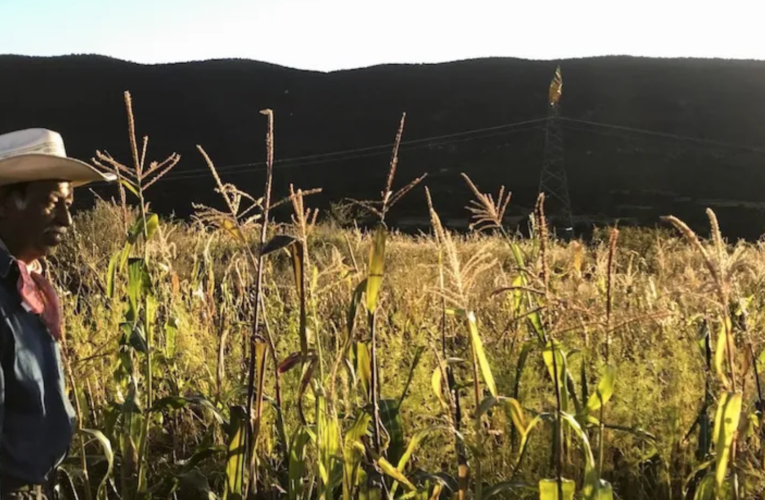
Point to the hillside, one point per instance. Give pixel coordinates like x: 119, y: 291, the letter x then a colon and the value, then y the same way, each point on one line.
x: 612, y: 172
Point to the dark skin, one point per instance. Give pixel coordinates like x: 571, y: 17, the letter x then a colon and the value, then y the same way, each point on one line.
x: 35, y: 218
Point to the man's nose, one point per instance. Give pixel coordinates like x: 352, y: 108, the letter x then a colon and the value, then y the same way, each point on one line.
x: 63, y: 216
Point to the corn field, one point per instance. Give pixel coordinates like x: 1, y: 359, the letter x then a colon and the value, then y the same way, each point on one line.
x: 233, y: 357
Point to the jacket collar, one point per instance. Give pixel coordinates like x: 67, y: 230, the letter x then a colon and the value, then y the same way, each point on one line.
x: 7, y: 261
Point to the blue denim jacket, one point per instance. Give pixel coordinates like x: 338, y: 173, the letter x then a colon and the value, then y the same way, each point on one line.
x: 36, y: 416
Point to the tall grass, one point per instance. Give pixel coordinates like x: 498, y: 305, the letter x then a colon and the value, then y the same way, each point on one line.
x: 231, y: 356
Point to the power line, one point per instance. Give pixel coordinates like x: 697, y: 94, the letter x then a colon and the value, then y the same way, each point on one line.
x: 322, y: 159
x: 384, y: 148
x: 666, y: 135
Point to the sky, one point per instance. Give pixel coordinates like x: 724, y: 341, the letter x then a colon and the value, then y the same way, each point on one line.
x: 341, y: 34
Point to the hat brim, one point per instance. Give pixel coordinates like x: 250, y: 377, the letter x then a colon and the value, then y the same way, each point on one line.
x: 42, y: 167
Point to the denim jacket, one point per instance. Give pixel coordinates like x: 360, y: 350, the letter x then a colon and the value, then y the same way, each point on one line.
x: 36, y: 417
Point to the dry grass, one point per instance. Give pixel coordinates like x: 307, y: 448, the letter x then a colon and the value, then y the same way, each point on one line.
x: 642, y: 300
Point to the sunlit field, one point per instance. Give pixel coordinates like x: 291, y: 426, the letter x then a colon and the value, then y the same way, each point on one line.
x: 379, y: 365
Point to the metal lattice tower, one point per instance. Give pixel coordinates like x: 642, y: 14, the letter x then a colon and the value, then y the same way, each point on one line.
x: 552, y: 181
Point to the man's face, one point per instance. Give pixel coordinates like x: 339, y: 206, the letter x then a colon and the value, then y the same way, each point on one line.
x: 37, y: 218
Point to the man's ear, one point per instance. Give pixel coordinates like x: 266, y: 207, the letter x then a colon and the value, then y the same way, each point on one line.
x: 10, y: 201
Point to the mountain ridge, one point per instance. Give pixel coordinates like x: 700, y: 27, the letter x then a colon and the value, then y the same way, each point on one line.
x: 215, y: 103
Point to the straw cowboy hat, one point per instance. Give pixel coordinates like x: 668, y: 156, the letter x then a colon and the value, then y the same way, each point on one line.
x: 38, y: 154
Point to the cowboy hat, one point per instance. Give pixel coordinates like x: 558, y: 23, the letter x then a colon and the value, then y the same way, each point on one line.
x: 38, y: 154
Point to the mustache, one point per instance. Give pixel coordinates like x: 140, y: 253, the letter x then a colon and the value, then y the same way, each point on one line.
x: 58, y: 230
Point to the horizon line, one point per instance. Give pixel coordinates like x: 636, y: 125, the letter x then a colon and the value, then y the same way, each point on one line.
x: 379, y: 65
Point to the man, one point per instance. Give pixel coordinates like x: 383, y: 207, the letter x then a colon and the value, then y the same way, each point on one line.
x: 36, y: 417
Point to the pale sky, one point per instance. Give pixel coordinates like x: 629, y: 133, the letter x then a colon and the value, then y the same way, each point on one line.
x: 340, y: 34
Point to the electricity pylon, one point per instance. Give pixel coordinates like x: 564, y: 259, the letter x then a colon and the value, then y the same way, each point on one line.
x: 552, y: 181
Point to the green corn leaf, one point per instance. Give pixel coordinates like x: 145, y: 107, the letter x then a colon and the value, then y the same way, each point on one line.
x: 705, y: 489
x: 525, y: 436
x: 726, y: 423
x: 436, y: 382
x: 352, y: 475
x: 352, y: 310
x: 695, y: 474
x: 376, y: 268
x: 721, y: 350
x: 414, y: 443
x: 180, y: 402
x: 561, y: 376
x: 394, y: 473
x: 297, y: 463
x: 605, y: 389
x: 106, y: 446
x: 390, y: 417
x: 138, y: 230
x: 139, y: 283
x: 548, y: 489
x: 535, y: 319
x: 589, y: 460
x: 504, y: 487
x: 364, y: 366
x: 510, y: 405
x: 330, y: 468
x: 171, y: 334
x: 111, y: 274
x: 518, y: 282
x: 130, y: 186
x: 513, y: 407
x: 477, y: 345
x: 416, y: 361
x: 236, y: 454
x: 518, y: 256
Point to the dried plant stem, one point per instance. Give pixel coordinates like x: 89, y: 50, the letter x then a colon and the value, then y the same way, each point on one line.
x: 252, y: 427
x: 609, y: 306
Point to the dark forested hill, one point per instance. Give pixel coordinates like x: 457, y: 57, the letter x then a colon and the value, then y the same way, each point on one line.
x: 627, y: 127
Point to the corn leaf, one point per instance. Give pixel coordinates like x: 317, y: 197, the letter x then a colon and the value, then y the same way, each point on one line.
x: 503, y: 487
x: 525, y: 436
x: 278, y: 242
x: 726, y: 423
x: 548, y: 489
x: 416, y: 361
x: 106, y: 446
x: 297, y: 463
x: 111, y: 274
x: 376, y: 268
x: 414, y: 443
x: 171, y: 334
x: 483, y: 362
x: 391, y: 471
x: 560, y: 377
x: 721, y: 351
x: 706, y: 489
x: 352, y: 455
x: 236, y: 455
x: 130, y: 186
x: 605, y: 389
x: 329, y: 444
x: 305, y: 381
x: 390, y: 417
x: 364, y: 366
x: 138, y: 229
x: 436, y: 382
x: 352, y: 310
